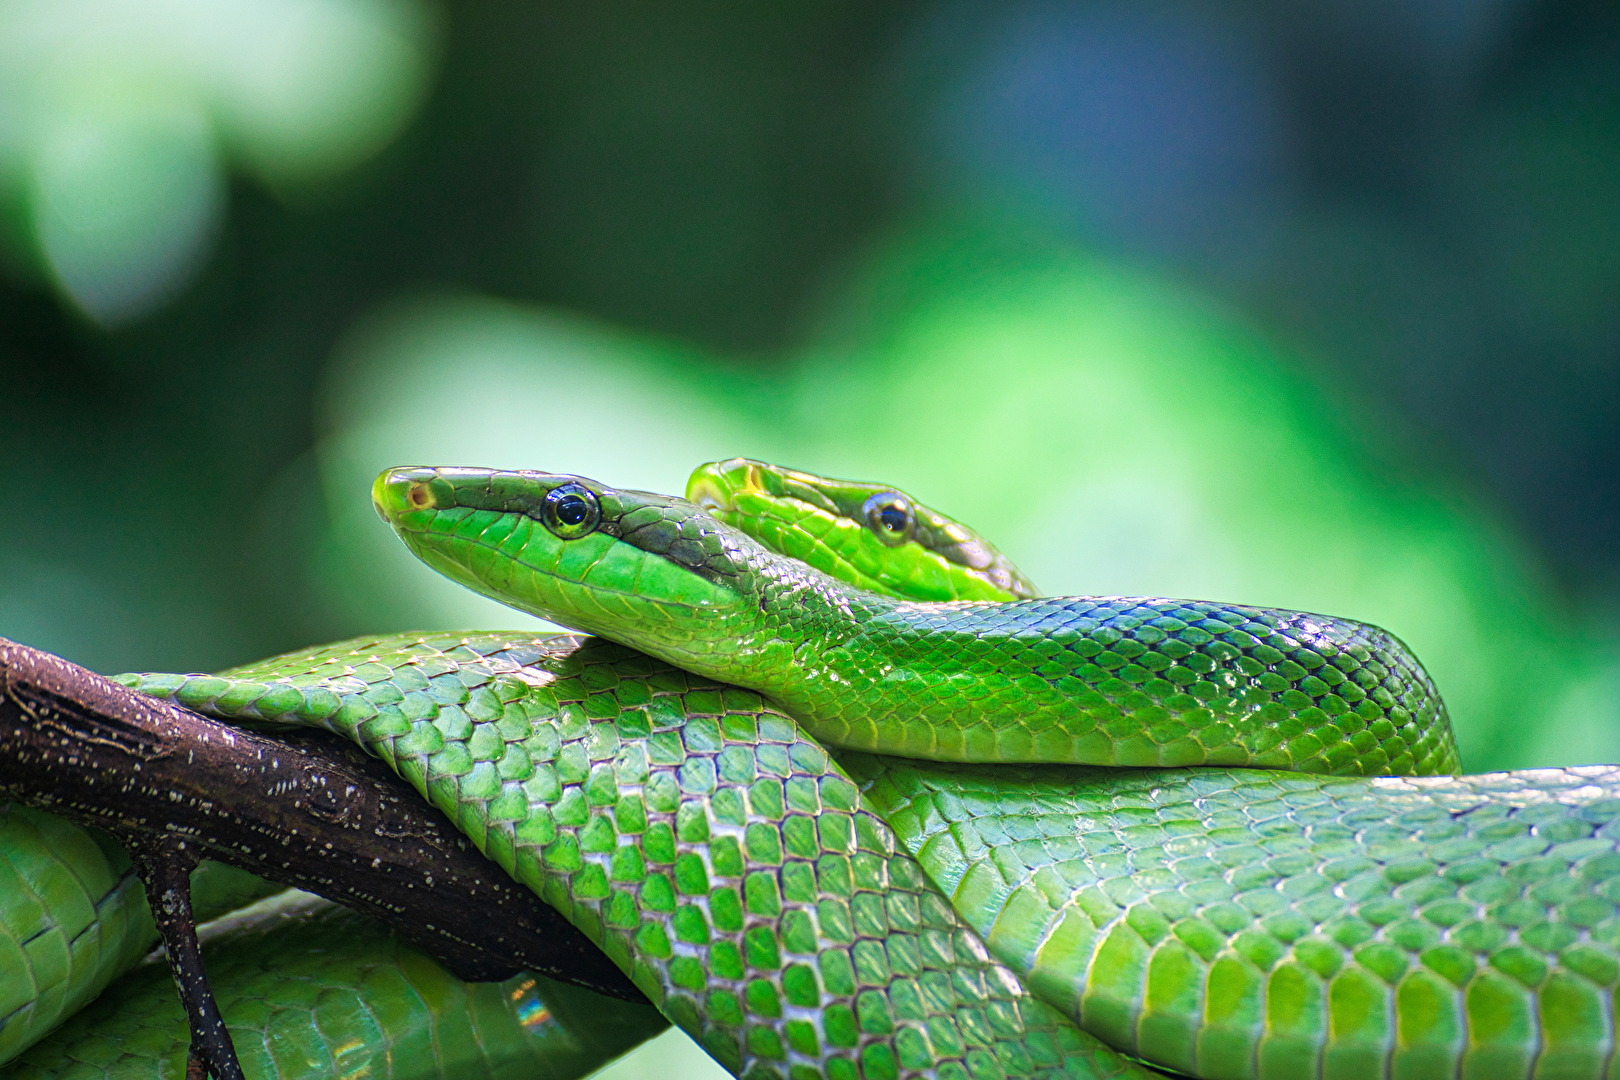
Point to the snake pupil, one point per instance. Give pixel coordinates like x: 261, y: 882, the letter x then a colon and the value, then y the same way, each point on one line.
x: 571, y: 510
x: 892, y: 518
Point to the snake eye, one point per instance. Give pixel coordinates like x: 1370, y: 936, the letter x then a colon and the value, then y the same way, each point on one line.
x: 570, y: 511
x: 889, y: 516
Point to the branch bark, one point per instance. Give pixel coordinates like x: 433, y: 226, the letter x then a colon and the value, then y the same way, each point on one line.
x: 309, y: 810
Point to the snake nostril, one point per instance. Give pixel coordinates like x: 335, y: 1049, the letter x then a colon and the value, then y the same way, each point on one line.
x: 419, y: 497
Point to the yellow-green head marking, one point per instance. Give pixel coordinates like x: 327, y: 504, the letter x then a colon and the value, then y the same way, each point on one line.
x: 870, y: 534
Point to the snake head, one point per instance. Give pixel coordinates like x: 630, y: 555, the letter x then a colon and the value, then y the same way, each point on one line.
x: 630, y: 565
x: 871, y: 535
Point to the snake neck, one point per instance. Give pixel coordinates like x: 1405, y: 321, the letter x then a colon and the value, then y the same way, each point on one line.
x: 787, y: 616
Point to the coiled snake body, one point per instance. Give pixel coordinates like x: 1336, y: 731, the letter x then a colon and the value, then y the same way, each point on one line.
x: 1239, y: 918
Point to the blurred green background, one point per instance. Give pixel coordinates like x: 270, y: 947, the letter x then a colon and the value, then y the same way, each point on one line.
x: 1314, y: 306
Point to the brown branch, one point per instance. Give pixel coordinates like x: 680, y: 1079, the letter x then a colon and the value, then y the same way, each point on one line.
x: 310, y: 811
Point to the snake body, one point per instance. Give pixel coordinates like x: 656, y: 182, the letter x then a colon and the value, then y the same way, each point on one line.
x: 1235, y: 923
x: 1081, y: 680
x: 1226, y: 922
x: 73, y: 916
x: 315, y: 991
x: 711, y: 849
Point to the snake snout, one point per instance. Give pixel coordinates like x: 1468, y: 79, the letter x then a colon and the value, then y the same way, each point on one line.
x: 709, y: 496
x: 400, y: 491
x: 715, y: 486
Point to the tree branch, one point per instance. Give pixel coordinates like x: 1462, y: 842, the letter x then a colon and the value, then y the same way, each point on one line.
x: 310, y: 810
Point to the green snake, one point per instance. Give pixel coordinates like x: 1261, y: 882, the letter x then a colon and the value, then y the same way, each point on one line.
x: 1221, y: 921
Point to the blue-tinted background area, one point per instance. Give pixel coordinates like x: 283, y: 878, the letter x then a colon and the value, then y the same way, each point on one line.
x: 1312, y: 305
